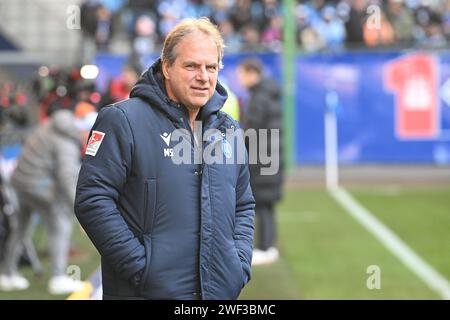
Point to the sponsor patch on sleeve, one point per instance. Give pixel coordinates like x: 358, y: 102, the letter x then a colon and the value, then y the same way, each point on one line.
x: 94, y: 142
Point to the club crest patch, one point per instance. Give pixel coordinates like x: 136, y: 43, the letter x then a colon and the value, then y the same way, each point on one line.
x: 94, y: 143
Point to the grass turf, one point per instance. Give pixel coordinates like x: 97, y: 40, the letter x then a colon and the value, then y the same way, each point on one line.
x: 324, y: 252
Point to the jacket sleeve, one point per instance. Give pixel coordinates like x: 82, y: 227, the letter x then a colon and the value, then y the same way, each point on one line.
x: 100, y: 184
x: 68, y: 166
x: 244, y: 219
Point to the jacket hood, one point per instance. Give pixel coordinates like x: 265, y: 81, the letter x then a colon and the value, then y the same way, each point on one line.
x: 64, y: 122
x: 150, y: 87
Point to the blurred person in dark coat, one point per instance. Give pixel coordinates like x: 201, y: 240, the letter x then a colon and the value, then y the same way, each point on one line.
x: 263, y: 112
x: 44, y: 181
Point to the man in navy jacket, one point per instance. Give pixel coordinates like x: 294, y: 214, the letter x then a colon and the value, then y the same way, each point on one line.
x: 166, y: 230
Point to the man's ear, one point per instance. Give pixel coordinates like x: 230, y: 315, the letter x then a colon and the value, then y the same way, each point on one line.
x: 165, y: 69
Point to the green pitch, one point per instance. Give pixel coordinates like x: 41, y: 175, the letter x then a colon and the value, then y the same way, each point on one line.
x: 325, y: 252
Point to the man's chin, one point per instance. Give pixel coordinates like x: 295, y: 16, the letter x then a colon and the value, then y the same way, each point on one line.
x: 197, y: 103
x: 194, y: 107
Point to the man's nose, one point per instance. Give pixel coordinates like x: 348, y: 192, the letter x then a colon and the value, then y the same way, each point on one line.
x: 202, y: 74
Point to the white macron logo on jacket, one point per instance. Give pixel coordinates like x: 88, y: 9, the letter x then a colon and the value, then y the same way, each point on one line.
x: 168, y: 152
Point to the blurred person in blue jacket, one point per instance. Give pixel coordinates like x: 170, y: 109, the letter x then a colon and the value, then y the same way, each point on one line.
x: 330, y: 28
x: 44, y: 181
x: 166, y: 230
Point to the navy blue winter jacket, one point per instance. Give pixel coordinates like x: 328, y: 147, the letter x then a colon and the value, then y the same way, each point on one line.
x: 164, y: 231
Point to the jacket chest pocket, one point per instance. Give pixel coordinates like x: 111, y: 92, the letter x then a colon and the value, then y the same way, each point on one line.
x: 149, y: 205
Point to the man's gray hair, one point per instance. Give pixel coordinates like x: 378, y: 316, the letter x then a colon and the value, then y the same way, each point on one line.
x: 186, y: 27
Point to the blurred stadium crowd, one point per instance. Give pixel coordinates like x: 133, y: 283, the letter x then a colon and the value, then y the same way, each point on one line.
x: 249, y: 25
x: 53, y: 88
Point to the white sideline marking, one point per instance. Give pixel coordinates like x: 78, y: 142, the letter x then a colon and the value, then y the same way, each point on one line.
x: 391, y: 241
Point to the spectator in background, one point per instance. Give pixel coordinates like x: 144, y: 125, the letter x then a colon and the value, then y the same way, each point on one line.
x: 145, y: 36
x: 378, y: 36
x: 311, y: 40
x: 57, y: 89
x: 263, y: 112
x: 115, y: 7
x: 198, y: 9
x: 133, y: 9
x: 272, y: 35
x: 271, y: 9
x: 88, y: 21
x: 50, y: 89
x: 330, y: 29
x: 97, y: 29
x: 45, y: 181
x: 14, y: 105
x: 171, y: 12
x: 250, y: 38
x: 120, y: 88
x: 446, y: 19
x: 246, y: 12
x: 231, y: 38
x: 4, y: 223
x: 430, y: 33
x: 104, y: 29
x: 307, y: 37
x: 302, y: 21
x: 319, y: 27
x: 140, y: 20
x: 402, y: 21
x: 220, y: 10
x: 435, y: 35
x: 354, y: 23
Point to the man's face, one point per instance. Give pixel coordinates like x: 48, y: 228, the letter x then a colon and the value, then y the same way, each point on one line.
x: 245, y: 78
x: 191, y: 79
